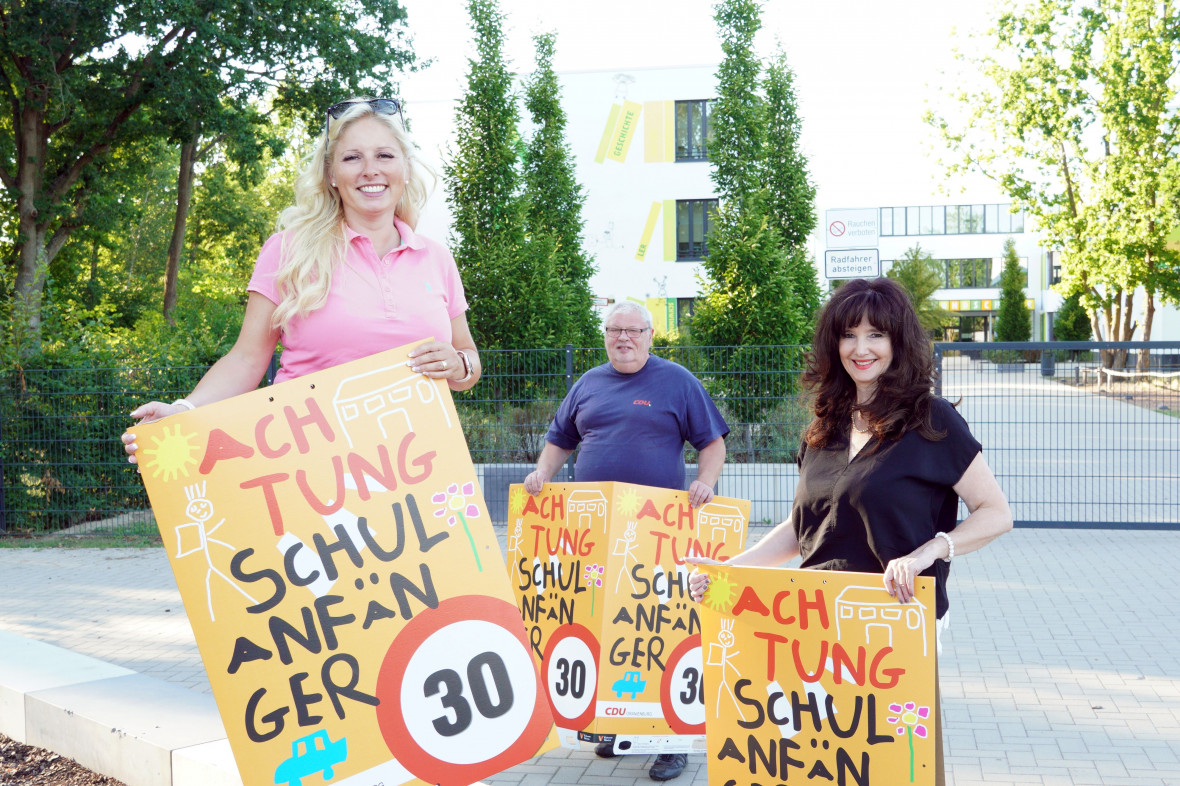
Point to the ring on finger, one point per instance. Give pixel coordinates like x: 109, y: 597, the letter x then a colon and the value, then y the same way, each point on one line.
x: 444, y: 365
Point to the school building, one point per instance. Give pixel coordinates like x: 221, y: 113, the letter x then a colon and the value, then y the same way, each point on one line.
x: 640, y: 138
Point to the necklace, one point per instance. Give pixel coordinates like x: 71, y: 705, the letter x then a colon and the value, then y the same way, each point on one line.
x: 856, y: 428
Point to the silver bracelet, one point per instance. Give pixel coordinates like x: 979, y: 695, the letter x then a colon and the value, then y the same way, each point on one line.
x: 950, y: 545
x: 466, y: 365
x: 184, y: 402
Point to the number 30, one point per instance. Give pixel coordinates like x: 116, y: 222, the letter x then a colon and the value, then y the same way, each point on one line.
x: 451, y: 684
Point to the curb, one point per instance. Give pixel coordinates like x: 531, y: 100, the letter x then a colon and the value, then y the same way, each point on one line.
x: 140, y: 730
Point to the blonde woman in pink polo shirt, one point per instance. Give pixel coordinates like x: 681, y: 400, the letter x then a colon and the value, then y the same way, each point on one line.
x: 346, y: 275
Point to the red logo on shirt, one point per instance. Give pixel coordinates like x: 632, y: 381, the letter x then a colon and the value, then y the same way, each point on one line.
x: 641, y: 403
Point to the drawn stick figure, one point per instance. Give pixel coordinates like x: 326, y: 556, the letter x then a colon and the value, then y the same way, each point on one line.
x: 720, y: 655
x: 623, y: 548
x: 515, y: 548
x: 200, y: 511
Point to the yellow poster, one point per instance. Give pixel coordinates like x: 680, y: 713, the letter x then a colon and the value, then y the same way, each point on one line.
x: 817, y: 676
x: 648, y: 228
x: 625, y: 130
x: 602, y: 586
x: 337, y: 563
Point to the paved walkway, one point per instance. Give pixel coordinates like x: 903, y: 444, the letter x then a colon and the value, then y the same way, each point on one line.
x: 1062, y: 665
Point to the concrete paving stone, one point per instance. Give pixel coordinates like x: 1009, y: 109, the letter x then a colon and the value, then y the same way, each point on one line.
x: 536, y: 779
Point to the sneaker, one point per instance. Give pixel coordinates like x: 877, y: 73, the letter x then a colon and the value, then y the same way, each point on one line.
x: 605, y: 750
x: 668, y: 766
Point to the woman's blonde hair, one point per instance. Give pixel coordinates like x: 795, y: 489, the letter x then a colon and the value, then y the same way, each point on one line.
x: 313, y: 227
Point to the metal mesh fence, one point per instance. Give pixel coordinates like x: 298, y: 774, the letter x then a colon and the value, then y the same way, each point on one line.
x: 1071, y: 442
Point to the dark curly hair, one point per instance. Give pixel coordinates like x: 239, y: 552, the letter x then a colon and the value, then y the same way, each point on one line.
x: 903, y: 398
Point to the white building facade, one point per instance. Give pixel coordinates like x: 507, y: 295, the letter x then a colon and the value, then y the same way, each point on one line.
x: 640, y: 143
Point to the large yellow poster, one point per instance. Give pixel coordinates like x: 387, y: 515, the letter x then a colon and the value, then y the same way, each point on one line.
x: 817, y: 676
x: 347, y: 592
x: 602, y: 585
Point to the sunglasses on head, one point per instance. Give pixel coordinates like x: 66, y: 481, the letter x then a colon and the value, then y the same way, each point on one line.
x: 382, y: 106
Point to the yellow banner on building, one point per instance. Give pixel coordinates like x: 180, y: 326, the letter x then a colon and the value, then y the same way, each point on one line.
x: 649, y: 227
x: 654, y: 150
x: 602, y: 585
x: 626, y: 128
x: 346, y: 588
x: 817, y: 676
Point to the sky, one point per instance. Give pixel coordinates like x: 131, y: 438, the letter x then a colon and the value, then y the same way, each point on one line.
x: 866, y: 71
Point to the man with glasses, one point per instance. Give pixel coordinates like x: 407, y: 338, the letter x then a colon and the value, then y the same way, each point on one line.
x: 631, y: 416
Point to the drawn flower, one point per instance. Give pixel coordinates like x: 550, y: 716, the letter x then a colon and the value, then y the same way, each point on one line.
x: 909, y: 717
x: 456, y: 507
x: 593, y: 576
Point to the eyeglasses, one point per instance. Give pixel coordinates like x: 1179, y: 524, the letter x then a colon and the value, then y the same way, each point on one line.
x: 382, y: 106
x: 614, y: 332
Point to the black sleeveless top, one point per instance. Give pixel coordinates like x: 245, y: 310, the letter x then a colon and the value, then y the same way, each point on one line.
x: 891, y: 498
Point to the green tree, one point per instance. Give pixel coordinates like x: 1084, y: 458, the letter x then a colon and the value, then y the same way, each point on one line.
x: 790, y: 192
x: 1071, y: 322
x: 517, y: 294
x: 920, y: 276
x: 738, y: 115
x: 1014, y: 320
x: 483, y: 189
x: 555, y: 199
x: 757, y: 287
x: 85, y: 79
x: 1078, y: 123
x: 104, y: 289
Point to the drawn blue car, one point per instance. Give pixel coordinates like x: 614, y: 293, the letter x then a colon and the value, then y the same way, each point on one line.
x: 629, y: 684
x: 309, y: 755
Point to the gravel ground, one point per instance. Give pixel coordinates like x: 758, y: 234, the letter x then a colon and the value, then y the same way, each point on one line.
x: 29, y: 766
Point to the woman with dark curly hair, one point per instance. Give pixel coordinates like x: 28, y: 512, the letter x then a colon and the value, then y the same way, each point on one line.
x: 885, y: 462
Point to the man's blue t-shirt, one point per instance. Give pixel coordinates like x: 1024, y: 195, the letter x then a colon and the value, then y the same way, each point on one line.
x: 632, y: 427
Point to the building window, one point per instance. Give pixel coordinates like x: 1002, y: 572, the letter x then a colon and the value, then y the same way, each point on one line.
x: 685, y: 307
x: 992, y: 219
x: 693, y: 130
x: 692, y: 227
x: 965, y: 273
x: 1054, y: 268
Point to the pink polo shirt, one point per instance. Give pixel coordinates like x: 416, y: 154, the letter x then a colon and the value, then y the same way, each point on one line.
x: 374, y: 304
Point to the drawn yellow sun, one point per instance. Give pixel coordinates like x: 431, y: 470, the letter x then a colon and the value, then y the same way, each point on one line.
x: 516, y: 500
x: 720, y: 595
x: 170, y: 455
x: 627, y: 502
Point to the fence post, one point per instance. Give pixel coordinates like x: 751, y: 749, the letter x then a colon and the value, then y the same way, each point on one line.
x: 3, y: 513
x: 937, y: 371
x: 569, y: 383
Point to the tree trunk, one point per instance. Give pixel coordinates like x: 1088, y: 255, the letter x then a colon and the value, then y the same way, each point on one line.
x: 32, y: 257
x: 1144, y: 363
x: 1127, y: 329
x: 1106, y: 356
x: 184, y: 195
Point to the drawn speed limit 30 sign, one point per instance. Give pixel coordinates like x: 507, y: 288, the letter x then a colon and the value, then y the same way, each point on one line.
x: 682, y: 692
x: 601, y: 581
x: 339, y: 567
x: 459, y: 692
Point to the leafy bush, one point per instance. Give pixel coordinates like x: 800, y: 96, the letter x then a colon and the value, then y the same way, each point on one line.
x: 61, y: 461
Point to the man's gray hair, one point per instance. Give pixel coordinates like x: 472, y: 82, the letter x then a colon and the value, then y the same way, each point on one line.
x: 627, y: 306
